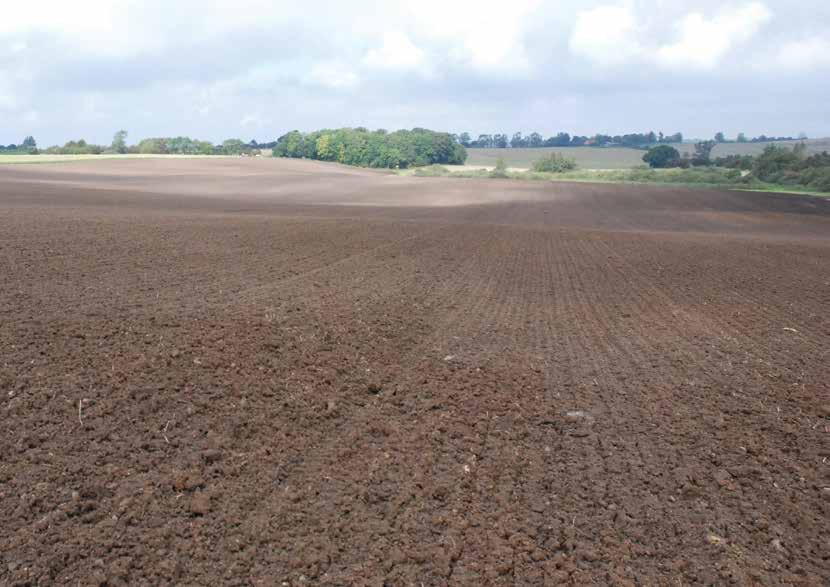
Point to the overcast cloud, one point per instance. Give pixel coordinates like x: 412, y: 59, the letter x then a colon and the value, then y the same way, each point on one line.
x: 257, y: 68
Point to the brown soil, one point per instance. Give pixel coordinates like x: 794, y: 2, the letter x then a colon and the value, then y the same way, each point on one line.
x: 228, y: 372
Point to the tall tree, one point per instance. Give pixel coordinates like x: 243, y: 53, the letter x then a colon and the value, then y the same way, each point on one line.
x: 484, y: 141
x: 703, y: 153
x: 29, y: 145
x: 119, y: 142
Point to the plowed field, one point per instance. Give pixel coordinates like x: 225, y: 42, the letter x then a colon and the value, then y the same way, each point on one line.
x: 280, y: 372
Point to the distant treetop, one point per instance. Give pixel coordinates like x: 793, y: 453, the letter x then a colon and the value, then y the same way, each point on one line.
x: 535, y: 140
x: 364, y: 148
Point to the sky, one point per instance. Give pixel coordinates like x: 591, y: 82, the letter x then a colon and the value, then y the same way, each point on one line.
x: 258, y: 68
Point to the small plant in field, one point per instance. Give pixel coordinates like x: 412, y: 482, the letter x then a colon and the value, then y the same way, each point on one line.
x: 554, y: 163
x: 432, y: 171
x: 500, y: 170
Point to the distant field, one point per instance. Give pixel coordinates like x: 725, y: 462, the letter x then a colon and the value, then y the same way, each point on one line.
x: 614, y: 157
x: 586, y: 157
x: 722, y: 150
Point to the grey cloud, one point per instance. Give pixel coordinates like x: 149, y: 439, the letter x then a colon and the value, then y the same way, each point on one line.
x: 208, y: 84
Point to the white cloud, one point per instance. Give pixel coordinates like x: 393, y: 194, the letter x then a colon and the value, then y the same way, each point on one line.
x: 397, y: 52
x: 91, y: 108
x: 119, y: 27
x: 703, y: 43
x: 7, y: 101
x: 614, y: 34
x: 254, y: 120
x: 332, y: 74
x: 606, y: 35
x: 79, y: 16
x: 133, y: 27
x: 804, y: 55
x: 10, y: 90
x: 484, y: 34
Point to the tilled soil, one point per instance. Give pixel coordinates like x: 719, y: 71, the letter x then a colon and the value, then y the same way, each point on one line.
x: 279, y: 372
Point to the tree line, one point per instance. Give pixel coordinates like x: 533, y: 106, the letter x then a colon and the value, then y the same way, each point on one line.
x: 633, y: 140
x: 399, y: 149
x: 741, y: 138
x: 379, y: 148
x: 666, y: 156
x: 150, y: 146
x: 535, y: 140
x: 27, y: 147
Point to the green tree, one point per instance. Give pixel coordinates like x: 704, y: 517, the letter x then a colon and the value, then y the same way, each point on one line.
x: 361, y: 147
x: 204, y: 148
x: 153, y: 146
x: 720, y: 138
x: 773, y: 164
x: 29, y: 145
x: 119, y: 142
x: 290, y: 145
x: 233, y: 147
x: 562, y: 139
x: 324, y: 150
x: 662, y: 156
x: 703, y: 153
x: 742, y: 138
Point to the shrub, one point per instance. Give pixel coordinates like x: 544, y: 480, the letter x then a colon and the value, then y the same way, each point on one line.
x: 662, y: 156
x: 79, y: 147
x: 500, y: 171
x: 432, y: 171
x: 743, y: 162
x: 771, y: 165
x: 554, y: 163
x: 820, y: 179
